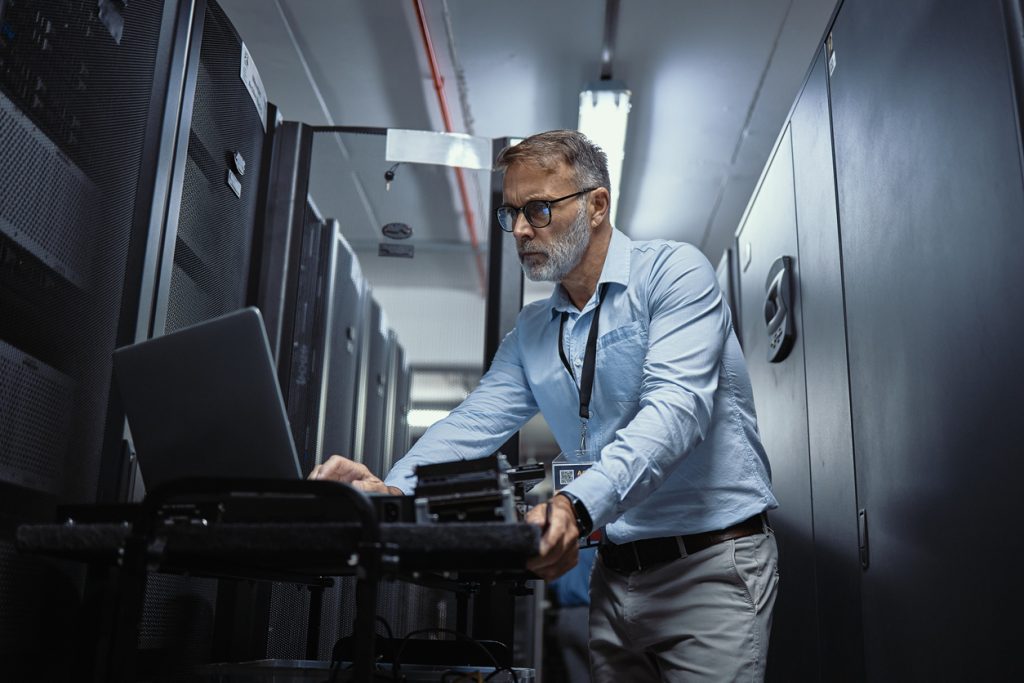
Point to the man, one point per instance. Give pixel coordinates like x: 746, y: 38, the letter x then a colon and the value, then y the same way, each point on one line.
x: 685, y: 581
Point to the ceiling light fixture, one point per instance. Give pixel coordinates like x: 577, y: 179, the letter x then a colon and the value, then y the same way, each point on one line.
x: 604, y: 114
x: 421, y: 418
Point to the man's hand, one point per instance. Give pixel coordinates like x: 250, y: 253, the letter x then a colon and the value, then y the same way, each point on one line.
x: 337, y: 468
x: 559, y: 546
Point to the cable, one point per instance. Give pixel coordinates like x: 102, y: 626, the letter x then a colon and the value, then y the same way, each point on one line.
x: 509, y: 669
x: 396, y: 663
x: 336, y: 655
x: 387, y: 627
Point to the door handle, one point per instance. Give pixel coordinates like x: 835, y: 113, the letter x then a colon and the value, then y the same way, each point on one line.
x: 778, y: 309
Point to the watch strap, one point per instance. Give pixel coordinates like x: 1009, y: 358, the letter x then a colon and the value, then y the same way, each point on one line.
x: 584, y: 523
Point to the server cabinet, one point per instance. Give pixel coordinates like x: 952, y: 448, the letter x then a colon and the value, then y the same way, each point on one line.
x: 280, y: 233
x: 343, y: 346
x: 212, y: 216
x: 377, y: 358
x: 931, y: 210
x: 394, y: 350
x: 205, y: 271
x: 769, y: 278
x: 403, y: 385
x: 829, y: 431
x: 88, y: 106
x: 303, y: 386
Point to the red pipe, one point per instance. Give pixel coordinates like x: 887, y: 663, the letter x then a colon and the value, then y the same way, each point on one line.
x: 460, y: 179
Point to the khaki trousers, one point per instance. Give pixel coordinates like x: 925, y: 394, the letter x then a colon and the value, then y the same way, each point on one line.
x: 704, y: 617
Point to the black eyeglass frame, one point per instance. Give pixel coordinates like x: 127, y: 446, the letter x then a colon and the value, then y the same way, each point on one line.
x: 522, y: 210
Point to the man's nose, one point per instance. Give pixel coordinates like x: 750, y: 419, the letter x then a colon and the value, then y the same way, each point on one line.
x: 521, y: 228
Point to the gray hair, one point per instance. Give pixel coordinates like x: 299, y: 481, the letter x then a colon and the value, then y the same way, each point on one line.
x: 588, y: 161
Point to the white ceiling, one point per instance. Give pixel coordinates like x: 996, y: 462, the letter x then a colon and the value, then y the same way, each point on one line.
x: 712, y: 83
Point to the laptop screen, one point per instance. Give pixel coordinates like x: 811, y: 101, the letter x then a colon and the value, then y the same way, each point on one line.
x: 205, y: 402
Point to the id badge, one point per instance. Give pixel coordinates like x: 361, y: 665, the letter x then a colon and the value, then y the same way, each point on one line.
x: 566, y: 473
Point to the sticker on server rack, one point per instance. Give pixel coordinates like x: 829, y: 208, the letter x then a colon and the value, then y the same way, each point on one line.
x: 235, y: 184
x: 254, y: 84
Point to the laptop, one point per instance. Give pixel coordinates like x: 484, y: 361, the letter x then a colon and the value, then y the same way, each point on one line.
x: 205, y: 402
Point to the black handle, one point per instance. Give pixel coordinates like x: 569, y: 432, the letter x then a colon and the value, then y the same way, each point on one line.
x: 778, y: 309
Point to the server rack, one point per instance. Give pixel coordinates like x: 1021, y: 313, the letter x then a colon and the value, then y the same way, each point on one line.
x: 213, y: 211
x: 208, y: 234
x: 304, y: 386
x: 344, y: 343
x: 89, y: 102
x: 377, y: 355
x: 402, y: 384
x: 390, y: 402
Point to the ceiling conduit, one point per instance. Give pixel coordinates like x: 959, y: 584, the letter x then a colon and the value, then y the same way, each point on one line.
x: 460, y: 179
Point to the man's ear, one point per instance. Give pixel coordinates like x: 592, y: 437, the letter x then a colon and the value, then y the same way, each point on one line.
x: 601, y: 204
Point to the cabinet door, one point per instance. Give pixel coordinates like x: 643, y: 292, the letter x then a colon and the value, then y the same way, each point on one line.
x: 932, y: 217
x: 836, y: 561
x: 769, y: 232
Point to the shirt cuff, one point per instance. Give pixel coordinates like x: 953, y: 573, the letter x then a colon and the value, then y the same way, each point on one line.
x: 405, y: 482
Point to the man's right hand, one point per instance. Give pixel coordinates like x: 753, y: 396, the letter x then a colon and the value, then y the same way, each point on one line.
x: 337, y: 468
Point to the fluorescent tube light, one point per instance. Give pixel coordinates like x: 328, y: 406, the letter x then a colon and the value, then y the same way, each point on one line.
x: 604, y: 112
x: 424, y: 417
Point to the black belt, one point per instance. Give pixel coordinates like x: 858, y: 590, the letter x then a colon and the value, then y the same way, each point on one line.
x: 638, y: 555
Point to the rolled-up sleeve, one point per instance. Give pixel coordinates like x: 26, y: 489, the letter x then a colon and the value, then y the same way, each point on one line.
x: 495, y: 410
x: 689, y: 324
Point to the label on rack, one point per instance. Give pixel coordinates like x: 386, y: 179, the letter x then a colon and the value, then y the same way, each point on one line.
x: 254, y: 84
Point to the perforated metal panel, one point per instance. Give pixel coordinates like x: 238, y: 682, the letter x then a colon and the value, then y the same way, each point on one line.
x: 215, y: 226
x: 74, y: 108
x: 73, y: 113
x: 48, y: 204
x: 289, y: 619
x: 406, y: 607
x: 338, y: 613
x: 211, y: 265
x: 177, y: 619
x: 35, y: 426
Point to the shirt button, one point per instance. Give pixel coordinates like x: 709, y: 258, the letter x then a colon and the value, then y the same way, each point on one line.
x: 579, y: 362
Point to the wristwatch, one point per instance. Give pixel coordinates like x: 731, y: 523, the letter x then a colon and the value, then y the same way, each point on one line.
x: 583, y: 521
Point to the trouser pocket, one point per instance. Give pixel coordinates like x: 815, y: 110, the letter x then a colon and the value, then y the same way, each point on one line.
x: 756, y: 561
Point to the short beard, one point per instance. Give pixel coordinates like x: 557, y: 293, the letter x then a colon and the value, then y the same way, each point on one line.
x: 563, y: 254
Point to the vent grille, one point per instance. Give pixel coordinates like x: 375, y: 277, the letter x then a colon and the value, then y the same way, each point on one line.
x: 36, y: 421
x: 177, y: 619
x: 289, y: 620
x: 47, y: 204
x: 212, y: 253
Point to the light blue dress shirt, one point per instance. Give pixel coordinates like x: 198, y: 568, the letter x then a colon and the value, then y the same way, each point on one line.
x: 672, y: 413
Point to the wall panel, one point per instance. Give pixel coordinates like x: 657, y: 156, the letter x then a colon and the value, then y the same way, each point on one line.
x: 931, y: 209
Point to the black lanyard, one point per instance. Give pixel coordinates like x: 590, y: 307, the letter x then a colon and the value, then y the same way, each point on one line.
x: 589, y: 356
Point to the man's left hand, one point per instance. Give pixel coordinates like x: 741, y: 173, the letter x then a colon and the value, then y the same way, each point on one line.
x: 559, y: 546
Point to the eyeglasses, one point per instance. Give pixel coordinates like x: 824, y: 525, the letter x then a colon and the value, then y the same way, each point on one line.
x: 536, y: 211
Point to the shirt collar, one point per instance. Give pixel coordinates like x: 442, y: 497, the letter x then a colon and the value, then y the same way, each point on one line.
x: 614, y: 270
